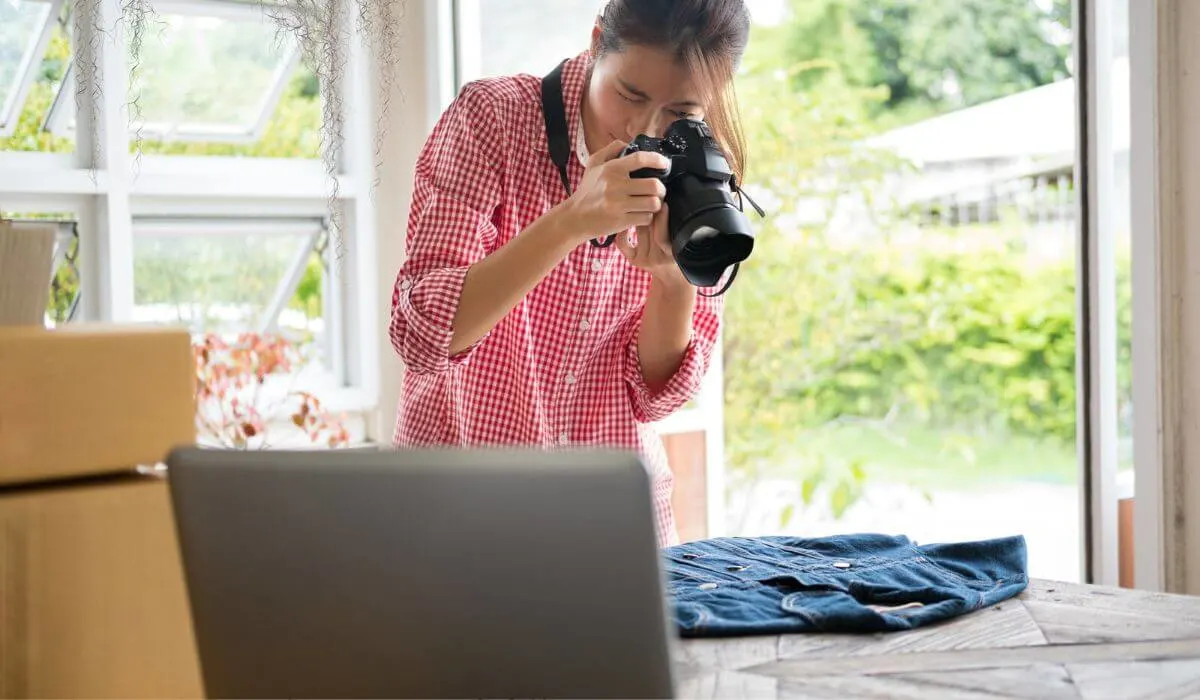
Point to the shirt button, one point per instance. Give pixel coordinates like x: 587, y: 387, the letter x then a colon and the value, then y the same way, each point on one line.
x: 405, y: 285
x: 584, y: 325
x: 562, y: 438
x: 597, y: 265
x: 570, y: 378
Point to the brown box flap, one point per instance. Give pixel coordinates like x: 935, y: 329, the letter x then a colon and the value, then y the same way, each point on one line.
x: 92, y: 398
x: 92, y: 594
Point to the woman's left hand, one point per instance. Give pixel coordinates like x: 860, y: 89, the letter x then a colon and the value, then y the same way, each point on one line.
x: 652, y: 251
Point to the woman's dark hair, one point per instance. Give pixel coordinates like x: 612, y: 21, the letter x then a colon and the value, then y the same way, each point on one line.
x: 707, y: 36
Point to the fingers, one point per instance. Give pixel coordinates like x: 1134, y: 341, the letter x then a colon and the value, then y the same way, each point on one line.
x: 642, y: 159
x: 643, y: 204
x: 661, y: 235
x: 612, y: 150
x: 638, y: 186
x: 635, y: 219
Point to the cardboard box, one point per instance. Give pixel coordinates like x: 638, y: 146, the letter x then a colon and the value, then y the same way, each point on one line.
x: 26, y: 265
x: 91, y: 399
x: 92, y: 596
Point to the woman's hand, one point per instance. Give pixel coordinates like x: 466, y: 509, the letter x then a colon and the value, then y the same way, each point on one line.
x: 608, y: 200
x: 652, y: 251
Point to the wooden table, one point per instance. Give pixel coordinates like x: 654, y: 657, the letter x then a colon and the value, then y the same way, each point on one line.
x: 1056, y: 640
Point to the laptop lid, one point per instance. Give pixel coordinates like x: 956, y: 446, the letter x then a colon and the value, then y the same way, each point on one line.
x: 422, y: 573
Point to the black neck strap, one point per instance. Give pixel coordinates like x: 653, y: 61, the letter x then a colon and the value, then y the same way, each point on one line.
x: 558, y: 137
x: 555, y: 113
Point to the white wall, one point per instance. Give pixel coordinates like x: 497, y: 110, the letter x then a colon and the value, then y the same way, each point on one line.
x: 413, y: 100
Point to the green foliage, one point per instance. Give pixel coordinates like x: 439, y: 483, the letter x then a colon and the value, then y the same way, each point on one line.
x: 978, y: 339
x: 308, y: 292
x: 29, y: 134
x: 951, y: 334
x: 931, y: 56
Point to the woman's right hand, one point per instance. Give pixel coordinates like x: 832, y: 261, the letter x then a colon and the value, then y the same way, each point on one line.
x: 608, y: 200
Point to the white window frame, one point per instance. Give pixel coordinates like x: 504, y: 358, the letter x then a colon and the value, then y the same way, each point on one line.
x: 105, y: 195
x: 1097, y: 426
x: 10, y: 111
x: 62, y: 110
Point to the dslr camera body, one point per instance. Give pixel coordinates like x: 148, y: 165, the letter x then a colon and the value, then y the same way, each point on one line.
x: 708, y: 231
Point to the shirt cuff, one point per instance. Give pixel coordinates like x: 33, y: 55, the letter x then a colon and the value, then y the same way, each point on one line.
x: 650, y: 405
x: 423, y: 323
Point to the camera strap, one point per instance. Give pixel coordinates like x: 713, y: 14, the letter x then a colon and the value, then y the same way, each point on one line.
x: 558, y: 137
x: 555, y: 114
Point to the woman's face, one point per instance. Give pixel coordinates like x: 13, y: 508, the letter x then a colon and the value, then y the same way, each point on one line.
x: 637, y: 91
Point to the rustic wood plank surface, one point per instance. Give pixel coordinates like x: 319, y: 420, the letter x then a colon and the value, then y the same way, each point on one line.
x: 1056, y: 640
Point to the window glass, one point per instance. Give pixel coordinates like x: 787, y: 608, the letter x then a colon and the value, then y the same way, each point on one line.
x: 35, y: 50
x: 900, y: 350
x: 184, y: 102
x: 232, y: 276
x: 502, y: 37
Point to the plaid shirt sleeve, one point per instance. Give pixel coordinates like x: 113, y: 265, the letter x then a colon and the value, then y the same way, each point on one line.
x: 650, y: 406
x: 456, y: 190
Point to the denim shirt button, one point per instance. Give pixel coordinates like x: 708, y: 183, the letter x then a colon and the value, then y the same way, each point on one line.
x: 737, y: 568
x: 842, y: 564
x: 707, y: 586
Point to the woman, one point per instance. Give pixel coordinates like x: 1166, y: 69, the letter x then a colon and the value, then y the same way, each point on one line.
x: 515, y: 330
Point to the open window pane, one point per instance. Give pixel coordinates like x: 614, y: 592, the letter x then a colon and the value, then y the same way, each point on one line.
x: 229, y: 277
x: 183, y: 101
x: 21, y: 27
x: 210, y: 77
x: 35, y: 49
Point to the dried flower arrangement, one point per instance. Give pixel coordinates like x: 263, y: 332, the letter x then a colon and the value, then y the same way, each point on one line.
x: 232, y: 408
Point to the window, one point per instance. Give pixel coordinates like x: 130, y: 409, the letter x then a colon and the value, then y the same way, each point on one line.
x: 186, y: 103
x: 229, y: 276
x: 34, y: 52
x: 183, y: 234
x: 496, y: 36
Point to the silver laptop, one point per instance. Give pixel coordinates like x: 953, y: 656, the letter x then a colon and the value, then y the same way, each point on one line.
x: 422, y: 573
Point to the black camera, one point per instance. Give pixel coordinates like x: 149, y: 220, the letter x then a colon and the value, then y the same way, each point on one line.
x: 708, y: 231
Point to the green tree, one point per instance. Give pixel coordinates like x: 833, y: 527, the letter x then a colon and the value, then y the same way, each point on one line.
x: 932, y: 56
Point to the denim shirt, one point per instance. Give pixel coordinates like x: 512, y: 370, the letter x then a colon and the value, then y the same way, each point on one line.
x: 846, y: 583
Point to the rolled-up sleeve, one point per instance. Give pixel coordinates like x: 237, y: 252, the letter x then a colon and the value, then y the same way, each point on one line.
x: 456, y: 191
x: 650, y: 405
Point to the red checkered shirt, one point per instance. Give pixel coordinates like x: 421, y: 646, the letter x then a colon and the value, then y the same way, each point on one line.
x: 560, y: 370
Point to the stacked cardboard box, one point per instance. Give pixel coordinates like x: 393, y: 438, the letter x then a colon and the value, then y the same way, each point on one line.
x: 92, y: 597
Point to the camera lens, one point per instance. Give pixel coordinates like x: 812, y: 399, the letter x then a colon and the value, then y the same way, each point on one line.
x: 712, y: 240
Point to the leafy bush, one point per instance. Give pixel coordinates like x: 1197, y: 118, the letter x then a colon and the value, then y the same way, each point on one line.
x: 956, y: 331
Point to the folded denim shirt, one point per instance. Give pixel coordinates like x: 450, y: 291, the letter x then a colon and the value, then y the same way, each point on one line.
x: 848, y: 583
